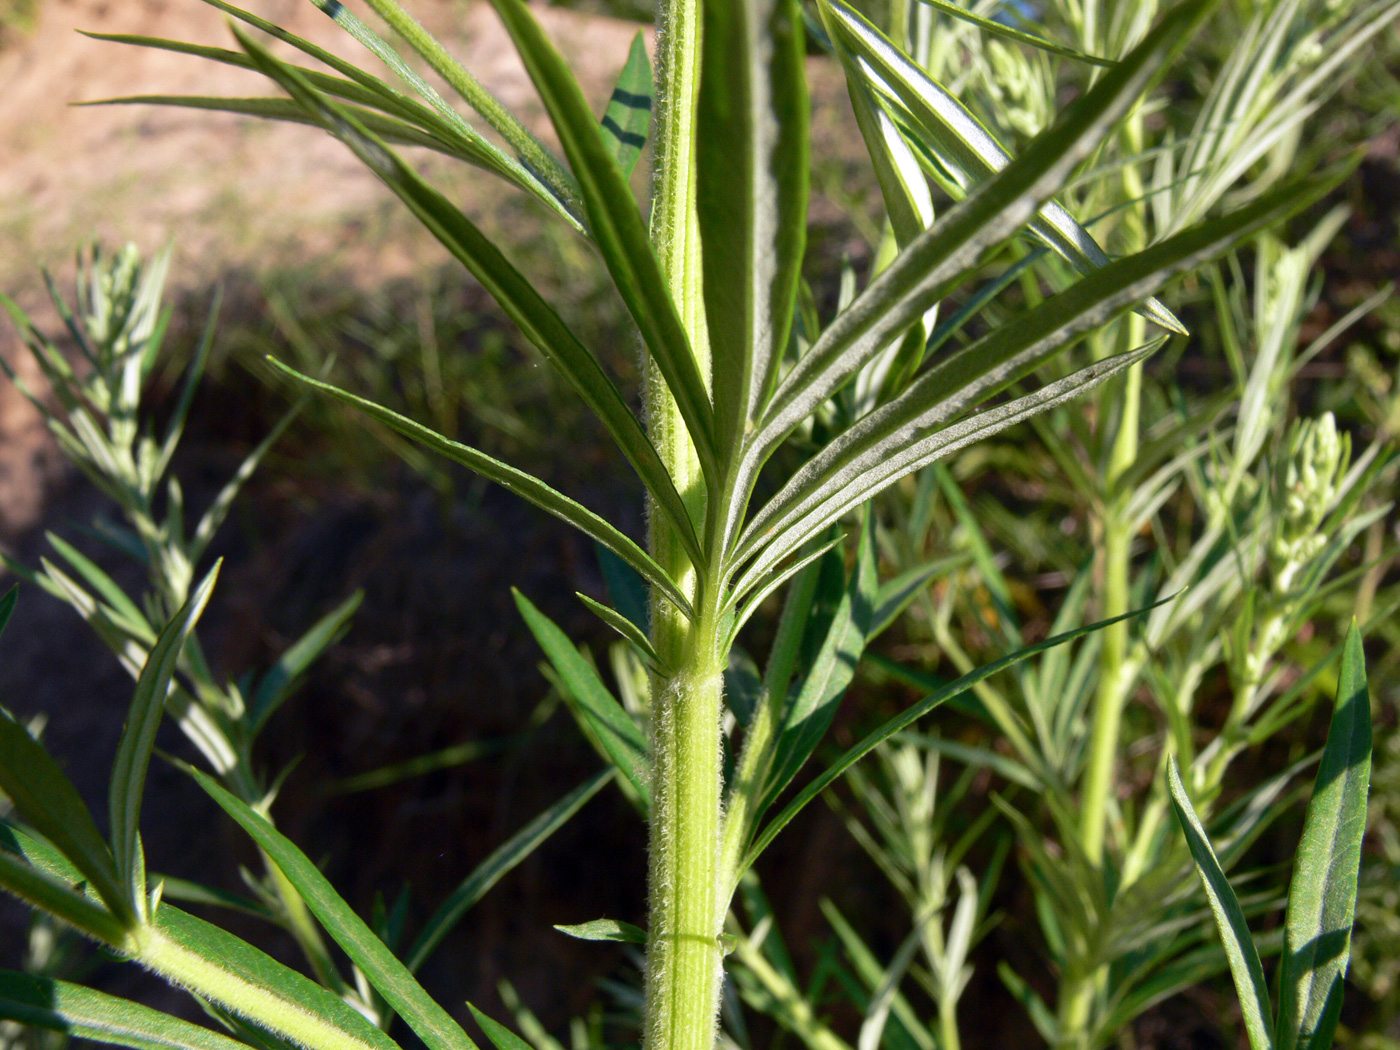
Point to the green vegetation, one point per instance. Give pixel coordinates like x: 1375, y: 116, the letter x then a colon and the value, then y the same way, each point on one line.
x: 981, y: 474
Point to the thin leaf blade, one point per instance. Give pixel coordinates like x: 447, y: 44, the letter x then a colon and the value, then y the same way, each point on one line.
x: 60, y: 1006
x: 517, y: 296
x: 524, y: 485
x: 1245, y: 967
x: 617, y: 225
x: 605, y: 930
x: 390, y: 977
x: 45, y: 797
x: 752, y: 176
x: 627, y: 120
x: 616, y: 731
x: 907, y: 718
x: 139, y: 736
x: 1322, y: 895
x: 502, y: 860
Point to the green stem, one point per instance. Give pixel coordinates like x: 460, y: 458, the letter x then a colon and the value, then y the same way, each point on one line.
x: 1115, y: 673
x: 684, y: 956
x: 683, y: 946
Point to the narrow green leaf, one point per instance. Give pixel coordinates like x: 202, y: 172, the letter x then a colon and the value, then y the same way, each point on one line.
x: 923, y: 273
x: 277, y: 684
x: 1005, y: 355
x: 1001, y: 29
x: 42, y: 1002
x: 442, y: 128
x: 625, y: 627
x: 1229, y: 918
x: 516, y: 295
x: 752, y: 181
x: 617, y: 226
x: 898, y: 594
x: 502, y: 859
x: 60, y: 899
x: 177, y: 889
x: 909, y: 1029
x: 1322, y: 895
x: 963, y: 143
x: 907, y: 718
x: 175, y: 427
x: 389, y: 128
x: 139, y: 736
x: 1041, y: 1015
x: 810, y: 715
x: 423, y: 764
x: 47, y: 799
x: 754, y: 590
x: 616, y: 731
x: 104, y: 585
x: 523, y: 485
x: 627, y: 119
x: 531, y: 151
x: 381, y: 968
x: 501, y: 1037
x: 888, y: 444
x: 606, y: 930
x: 250, y: 984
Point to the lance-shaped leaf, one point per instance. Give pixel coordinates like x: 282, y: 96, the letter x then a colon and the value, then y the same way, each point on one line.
x: 59, y: 1006
x: 57, y: 897
x: 881, y: 452
x: 439, y: 121
x: 501, y: 1037
x: 810, y: 714
x: 524, y: 485
x: 1010, y: 32
x: 250, y: 984
x: 139, y: 737
x: 963, y: 143
x: 617, y: 226
x: 493, y: 868
x: 752, y: 176
x: 625, y: 627
x: 627, y: 120
x: 925, y: 271
x: 282, y: 677
x: 381, y: 968
x: 616, y: 732
x: 47, y: 799
x: 993, y: 361
x: 517, y: 296
x: 606, y: 930
x: 7, y: 605
x: 909, y: 208
x: 390, y: 129
x: 1229, y: 918
x: 537, y: 159
x: 754, y: 590
x: 907, y: 718
x: 1322, y: 895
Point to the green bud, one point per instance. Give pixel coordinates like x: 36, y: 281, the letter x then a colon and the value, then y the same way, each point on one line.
x: 1307, y: 482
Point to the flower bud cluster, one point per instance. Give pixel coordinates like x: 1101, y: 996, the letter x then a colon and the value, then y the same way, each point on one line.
x: 1307, y: 483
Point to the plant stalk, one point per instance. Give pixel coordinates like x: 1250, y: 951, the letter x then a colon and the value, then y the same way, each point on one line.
x: 684, y: 964
x: 1115, y: 673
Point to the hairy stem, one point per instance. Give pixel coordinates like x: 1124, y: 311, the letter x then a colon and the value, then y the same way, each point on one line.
x: 683, y: 945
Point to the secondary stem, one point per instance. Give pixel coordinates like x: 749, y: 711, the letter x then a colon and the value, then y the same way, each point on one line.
x: 1115, y: 673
